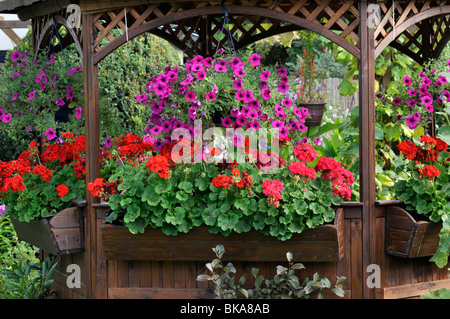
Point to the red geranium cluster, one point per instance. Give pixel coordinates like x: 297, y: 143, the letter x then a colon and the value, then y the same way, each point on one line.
x: 428, y: 152
x: 236, y: 179
x: 341, y: 178
x: 158, y: 164
x: 62, y: 190
x: 305, y: 152
x: 300, y: 169
x: 272, y: 189
x: 103, y: 189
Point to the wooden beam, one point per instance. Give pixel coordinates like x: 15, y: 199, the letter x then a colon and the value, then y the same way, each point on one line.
x: 43, y: 8
x: 14, y: 24
x: 367, y: 144
x: 91, y: 98
x: 10, y: 33
x: 415, y: 290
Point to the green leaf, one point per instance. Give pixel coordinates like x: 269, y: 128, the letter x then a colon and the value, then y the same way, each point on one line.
x: 186, y: 186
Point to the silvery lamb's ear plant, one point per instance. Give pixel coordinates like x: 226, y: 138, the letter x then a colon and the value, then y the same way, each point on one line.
x: 284, y: 285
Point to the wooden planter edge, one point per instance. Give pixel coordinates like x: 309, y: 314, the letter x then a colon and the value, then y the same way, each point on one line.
x: 322, y: 244
x: 407, y: 237
x: 62, y: 233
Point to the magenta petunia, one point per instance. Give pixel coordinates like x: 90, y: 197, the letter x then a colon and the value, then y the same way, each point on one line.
x: 411, y: 121
x: 240, y: 95
x: 16, y: 56
x: 254, y: 125
x: 190, y: 96
x: 227, y: 122
x: 411, y: 103
x: 264, y: 76
x: 50, y: 133
x: 407, y: 81
x: 426, y: 100
x: 396, y: 101
x: 60, y: 102
x: 255, y: 59
x: 287, y: 102
x: 248, y: 96
x: 239, y: 72
x: 210, y: 96
x: 6, y: 118
x: 412, y: 92
x: 31, y: 95
x: 238, y: 84
x: 429, y: 107
x: 265, y: 93
x: 426, y: 81
x: 283, y: 87
x: 78, y: 112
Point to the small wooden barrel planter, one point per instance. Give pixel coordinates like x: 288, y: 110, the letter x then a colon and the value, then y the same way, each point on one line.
x: 57, y: 234
x: 322, y: 244
x: 409, y: 237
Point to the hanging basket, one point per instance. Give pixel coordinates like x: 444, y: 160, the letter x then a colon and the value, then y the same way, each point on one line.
x: 316, y: 110
x: 409, y: 237
x: 58, y: 234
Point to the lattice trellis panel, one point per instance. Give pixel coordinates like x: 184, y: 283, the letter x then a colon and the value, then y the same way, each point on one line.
x: 419, y: 29
x: 195, y: 26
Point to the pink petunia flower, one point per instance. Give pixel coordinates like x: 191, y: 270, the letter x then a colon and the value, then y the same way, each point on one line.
x: 50, y: 133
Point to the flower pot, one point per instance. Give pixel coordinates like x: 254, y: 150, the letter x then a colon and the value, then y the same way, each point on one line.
x: 409, y: 237
x: 58, y: 234
x: 321, y: 244
x: 316, y: 110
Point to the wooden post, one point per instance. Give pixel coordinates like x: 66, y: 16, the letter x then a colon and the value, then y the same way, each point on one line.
x: 367, y: 142
x: 92, y: 147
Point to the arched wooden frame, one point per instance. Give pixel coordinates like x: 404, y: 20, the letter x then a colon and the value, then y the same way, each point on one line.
x: 46, y: 31
x: 299, y: 22
x: 399, y: 29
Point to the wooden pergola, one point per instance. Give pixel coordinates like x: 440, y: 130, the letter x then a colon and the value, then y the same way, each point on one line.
x: 363, y: 28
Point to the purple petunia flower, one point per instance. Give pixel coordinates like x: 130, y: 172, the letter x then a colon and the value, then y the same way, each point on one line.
x: 241, y: 120
x: 60, y: 102
x: 107, y: 142
x: 411, y: 103
x: 283, y: 87
x: 255, y: 59
x: 78, y: 112
x: 264, y: 76
x: 210, y: 96
x: 190, y: 96
x: 16, y: 56
x: 237, y: 84
x: 287, y: 102
x: 265, y: 93
x: 238, y: 140
x: 50, y: 133
x: 2, y: 209
x: 396, y: 101
x: 6, y: 118
x: 31, y: 95
x: 427, y: 99
x: 426, y: 81
x: 227, y: 122
x: 318, y: 141
x: 412, y: 121
x: 254, y: 125
x: 412, y: 92
x: 407, y: 81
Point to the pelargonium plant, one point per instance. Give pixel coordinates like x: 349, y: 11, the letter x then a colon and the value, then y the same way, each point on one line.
x: 36, y: 90
x: 42, y: 183
x: 421, y: 95
x: 423, y: 185
x: 148, y: 187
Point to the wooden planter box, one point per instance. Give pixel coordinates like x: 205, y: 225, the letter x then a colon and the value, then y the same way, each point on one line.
x: 58, y: 234
x: 324, y: 243
x: 408, y: 237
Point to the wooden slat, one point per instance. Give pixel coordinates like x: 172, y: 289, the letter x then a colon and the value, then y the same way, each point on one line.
x: 160, y: 293
x: 320, y: 244
x: 415, y: 290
